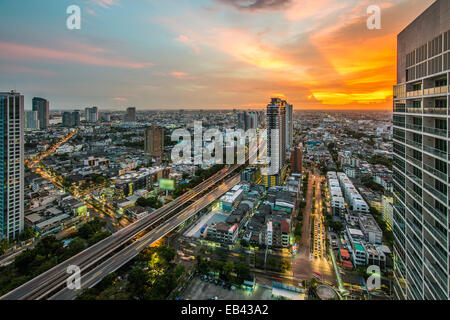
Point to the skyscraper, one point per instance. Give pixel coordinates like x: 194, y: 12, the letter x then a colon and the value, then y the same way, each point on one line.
x: 297, y: 159
x: 289, y: 126
x: 154, y: 142
x: 247, y: 120
x: 421, y: 141
x: 76, y: 118
x: 251, y: 120
x: 91, y: 114
x: 42, y: 106
x: 67, y: 119
x: 12, y: 169
x: 130, y: 116
x: 241, y: 120
x: 31, y: 120
x: 276, y: 149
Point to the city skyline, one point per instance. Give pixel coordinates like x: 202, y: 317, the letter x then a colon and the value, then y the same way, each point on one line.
x: 209, y: 54
x: 234, y: 150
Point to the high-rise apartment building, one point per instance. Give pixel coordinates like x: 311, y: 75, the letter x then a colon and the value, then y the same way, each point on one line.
x: 241, y: 120
x: 130, y: 115
x: 67, y: 119
x: 154, y: 142
x: 91, y: 114
x: 289, y: 126
x: 32, y: 120
x: 276, y: 140
x: 247, y: 120
x: 76, y: 116
x: 12, y: 168
x: 421, y: 159
x: 297, y: 159
x: 71, y: 119
x: 42, y: 106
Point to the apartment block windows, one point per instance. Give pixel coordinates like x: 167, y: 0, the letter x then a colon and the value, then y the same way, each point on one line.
x: 440, y: 165
x: 440, y: 145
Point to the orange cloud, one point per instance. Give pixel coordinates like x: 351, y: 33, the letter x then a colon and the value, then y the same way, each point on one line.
x: 179, y: 75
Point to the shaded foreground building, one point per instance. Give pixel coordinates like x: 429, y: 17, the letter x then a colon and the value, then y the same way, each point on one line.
x: 421, y: 160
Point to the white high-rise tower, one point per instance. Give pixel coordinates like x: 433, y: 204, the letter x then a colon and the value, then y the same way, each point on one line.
x: 12, y: 168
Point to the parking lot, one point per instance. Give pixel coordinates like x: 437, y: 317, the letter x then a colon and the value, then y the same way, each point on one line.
x: 198, y: 289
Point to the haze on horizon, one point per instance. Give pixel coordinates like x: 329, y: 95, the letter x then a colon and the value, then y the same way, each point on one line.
x: 195, y: 54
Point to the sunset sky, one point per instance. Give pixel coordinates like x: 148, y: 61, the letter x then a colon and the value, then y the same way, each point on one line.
x: 155, y: 54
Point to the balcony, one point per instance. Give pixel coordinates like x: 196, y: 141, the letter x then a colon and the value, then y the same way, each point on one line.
x: 437, y: 273
x: 414, y: 194
x: 413, y: 127
x: 435, y: 213
x: 435, y: 172
x: 416, y: 229
x: 415, y: 178
x: 414, y: 110
x: 440, y: 257
x: 431, y: 285
x: 432, y: 230
x: 399, y: 124
x: 436, y: 90
x: 399, y: 138
x: 399, y: 109
x: 416, y: 213
x: 417, y: 264
x: 417, y: 162
x: 432, y: 110
x: 416, y: 93
x: 436, y: 152
x: 432, y: 190
x: 415, y: 144
x: 435, y: 131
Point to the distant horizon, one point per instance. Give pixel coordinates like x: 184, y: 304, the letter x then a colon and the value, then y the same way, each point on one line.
x: 214, y: 109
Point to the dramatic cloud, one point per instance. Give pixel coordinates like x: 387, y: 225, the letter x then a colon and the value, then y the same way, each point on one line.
x: 208, y: 54
x: 257, y: 4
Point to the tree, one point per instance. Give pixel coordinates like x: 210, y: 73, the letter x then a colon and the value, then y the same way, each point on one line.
x: 75, y: 246
x: 90, y: 228
x: 4, y: 245
x: 168, y: 254
x: 27, y: 234
x: 24, y: 261
x: 107, y: 281
x: 137, y: 282
x: 152, y: 202
x: 203, y: 265
x: 244, y: 243
x: 242, y: 271
x: 88, y: 294
x: 185, y: 175
x: 227, y: 268
x: 98, y: 236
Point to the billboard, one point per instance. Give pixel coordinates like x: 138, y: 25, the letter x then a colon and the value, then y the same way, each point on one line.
x: 167, y: 184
